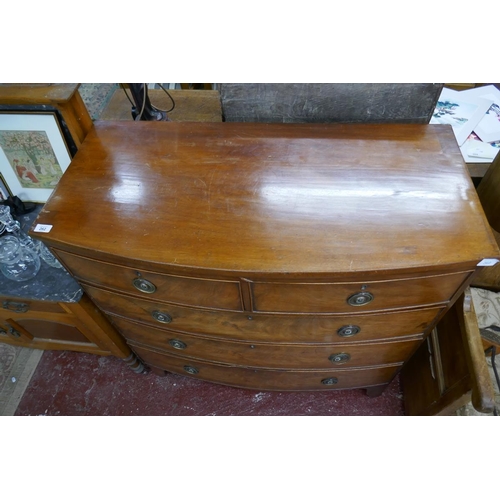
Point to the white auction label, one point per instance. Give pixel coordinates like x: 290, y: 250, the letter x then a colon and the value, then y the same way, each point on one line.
x: 488, y: 262
x: 42, y: 228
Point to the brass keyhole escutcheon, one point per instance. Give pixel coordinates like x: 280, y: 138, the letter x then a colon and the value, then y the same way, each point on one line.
x: 161, y: 317
x: 360, y: 299
x: 144, y: 286
x: 177, y: 344
x: 330, y: 381
x: 339, y: 358
x: 348, y: 330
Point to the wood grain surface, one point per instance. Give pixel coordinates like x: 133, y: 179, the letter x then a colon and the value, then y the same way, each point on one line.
x: 271, y: 198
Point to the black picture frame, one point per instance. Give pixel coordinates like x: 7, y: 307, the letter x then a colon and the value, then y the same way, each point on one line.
x: 5, y: 192
x: 42, y: 108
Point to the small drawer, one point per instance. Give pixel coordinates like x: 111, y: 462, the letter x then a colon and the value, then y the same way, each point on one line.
x: 9, y: 306
x: 163, y: 287
x: 354, y: 297
x: 267, y: 327
x: 267, y: 355
x: 269, y: 380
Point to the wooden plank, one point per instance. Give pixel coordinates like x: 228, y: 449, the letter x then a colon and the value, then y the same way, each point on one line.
x: 48, y: 93
x: 190, y: 105
x: 482, y: 396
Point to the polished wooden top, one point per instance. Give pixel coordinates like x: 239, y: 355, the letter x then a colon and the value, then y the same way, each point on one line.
x: 271, y: 198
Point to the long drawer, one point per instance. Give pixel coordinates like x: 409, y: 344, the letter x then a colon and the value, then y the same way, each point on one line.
x: 217, y: 294
x: 268, y: 327
x: 257, y: 354
x: 346, y: 297
x: 269, y: 380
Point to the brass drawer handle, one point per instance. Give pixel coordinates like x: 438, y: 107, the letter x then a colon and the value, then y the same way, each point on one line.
x: 161, y: 317
x: 348, y: 330
x: 360, y: 299
x: 191, y: 369
x: 177, y: 344
x: 143, y: 285
x: 330, y: 381
x: 339, y: 358
x: 18, y: 307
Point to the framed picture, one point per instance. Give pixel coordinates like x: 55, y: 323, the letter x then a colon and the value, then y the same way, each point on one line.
x: 33, y: 154
x: 4, y: 190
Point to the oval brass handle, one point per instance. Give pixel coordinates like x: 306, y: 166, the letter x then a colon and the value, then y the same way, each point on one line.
x: 18, y: 307
x: 177, y: 344
x: 191, y: 369
x: 339, y: 358
x: 360, y: 299
x: 144, y: 286
x: 330, y: 381
x: 161, y: 317
x: 348, y: 330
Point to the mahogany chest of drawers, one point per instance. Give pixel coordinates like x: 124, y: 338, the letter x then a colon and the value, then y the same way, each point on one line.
x: 270, y: 256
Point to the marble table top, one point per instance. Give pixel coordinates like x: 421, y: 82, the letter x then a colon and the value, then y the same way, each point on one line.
x: 50, y: 284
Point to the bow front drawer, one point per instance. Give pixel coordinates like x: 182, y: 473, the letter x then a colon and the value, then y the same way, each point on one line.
x: 262, y: 354
x: 355, y: 297
x: 270, y: 380
x: 266, y: 327
x: 217, y: 294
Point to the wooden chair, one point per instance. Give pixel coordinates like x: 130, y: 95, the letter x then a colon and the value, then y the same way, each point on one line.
x: 449, y: 369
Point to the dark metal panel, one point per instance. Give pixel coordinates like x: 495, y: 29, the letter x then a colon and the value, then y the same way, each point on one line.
x: 329, y: 102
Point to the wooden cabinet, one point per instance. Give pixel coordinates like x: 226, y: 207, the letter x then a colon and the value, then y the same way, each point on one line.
x: 270, y: 256
x: 62, y: 98
x: 76, y: 326
x: 51, y: 311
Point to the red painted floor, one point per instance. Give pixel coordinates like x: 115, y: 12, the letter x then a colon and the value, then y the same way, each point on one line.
x: 75, y: 384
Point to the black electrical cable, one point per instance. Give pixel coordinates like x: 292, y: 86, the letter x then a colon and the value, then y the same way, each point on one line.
x: 171, y: 98
x: 154, y: 107
x: 144, y: 97
x: 124, y: 90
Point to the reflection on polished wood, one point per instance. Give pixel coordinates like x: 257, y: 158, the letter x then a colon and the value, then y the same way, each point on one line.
x: 318, y: 199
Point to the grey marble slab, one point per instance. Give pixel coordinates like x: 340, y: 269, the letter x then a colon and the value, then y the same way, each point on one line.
x: 50, y: 284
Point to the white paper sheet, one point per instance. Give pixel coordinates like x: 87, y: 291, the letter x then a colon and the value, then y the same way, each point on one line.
x: 460, y: 110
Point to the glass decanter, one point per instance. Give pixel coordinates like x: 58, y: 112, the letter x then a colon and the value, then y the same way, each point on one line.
x: 35, y: 246
x: 17, y: 261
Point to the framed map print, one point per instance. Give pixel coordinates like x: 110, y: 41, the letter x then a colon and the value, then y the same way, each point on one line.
x: 33, y: 154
